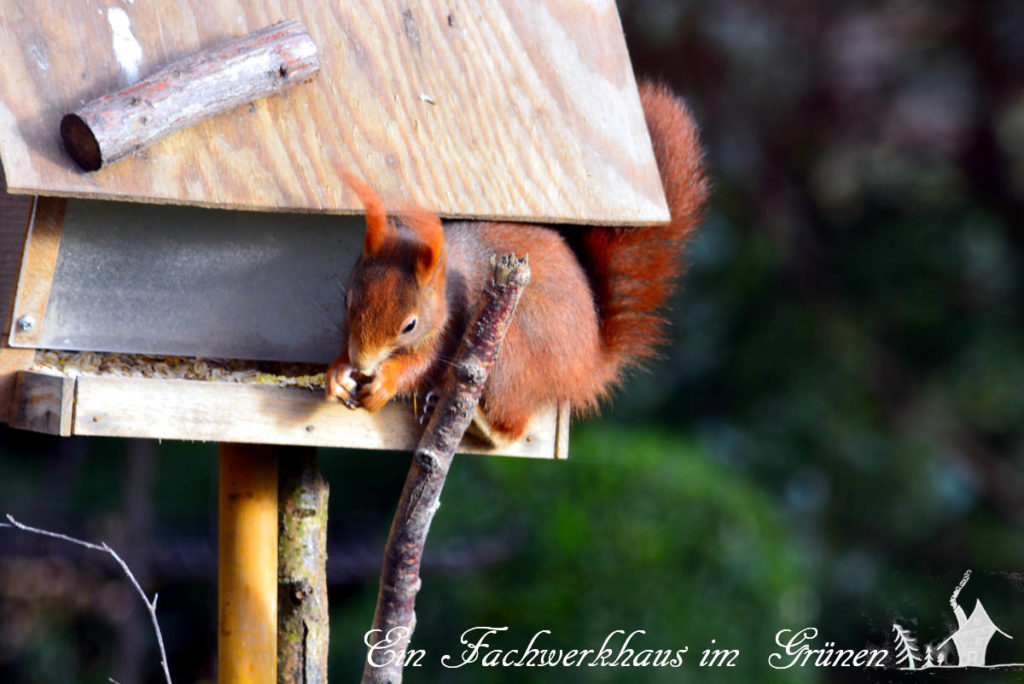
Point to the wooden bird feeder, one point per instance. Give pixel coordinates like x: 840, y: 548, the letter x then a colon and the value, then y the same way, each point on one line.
x: 232, y: 238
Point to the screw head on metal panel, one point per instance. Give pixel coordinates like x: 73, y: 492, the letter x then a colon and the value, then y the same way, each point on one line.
x: 26, y: 323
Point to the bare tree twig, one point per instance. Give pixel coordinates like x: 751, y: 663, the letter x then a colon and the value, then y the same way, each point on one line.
x: 150, y: 605
x: 395, y: 617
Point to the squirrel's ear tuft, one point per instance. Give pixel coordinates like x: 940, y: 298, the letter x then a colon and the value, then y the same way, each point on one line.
x: 427, y: 227
x: 378, y: 230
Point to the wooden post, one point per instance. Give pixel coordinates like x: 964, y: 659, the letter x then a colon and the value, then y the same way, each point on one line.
x: 302, y: 620
x: 247, y: 573
x: 188, y: 91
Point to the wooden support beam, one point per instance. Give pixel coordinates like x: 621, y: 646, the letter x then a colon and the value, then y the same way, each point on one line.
x: 247, y: 572
x: 148, y: 408
x: 190, y: 90
x: 15, y: 213
x: 108, y: 406
x: 43, y: 403
x: 303, y: 623
x: 35, y: 280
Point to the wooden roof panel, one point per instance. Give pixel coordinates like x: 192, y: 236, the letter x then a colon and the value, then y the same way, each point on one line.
x: 523, y: 110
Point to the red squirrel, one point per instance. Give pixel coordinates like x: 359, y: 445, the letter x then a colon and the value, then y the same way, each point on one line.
x: 585, y: 317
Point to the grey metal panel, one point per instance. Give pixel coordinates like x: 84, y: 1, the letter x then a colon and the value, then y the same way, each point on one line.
x: 200, y: 282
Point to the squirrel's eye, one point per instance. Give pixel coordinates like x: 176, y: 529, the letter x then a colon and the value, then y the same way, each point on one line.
x: 409, y: 326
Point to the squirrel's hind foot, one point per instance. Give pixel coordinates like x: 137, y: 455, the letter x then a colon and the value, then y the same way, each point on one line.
x: 496, y: 436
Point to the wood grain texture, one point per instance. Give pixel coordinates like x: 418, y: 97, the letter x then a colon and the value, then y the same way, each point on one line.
x: 260, y: 414
x: 189, y: 90
x: 43, y: 403
x: 14, y: 213
x: 42, y: 247
x: 562, y: 432
x: 517, y: 109
x: 12, y: 362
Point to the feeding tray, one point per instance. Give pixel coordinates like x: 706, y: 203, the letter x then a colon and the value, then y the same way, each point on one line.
x: 548, y: 128
x: 177, y: 284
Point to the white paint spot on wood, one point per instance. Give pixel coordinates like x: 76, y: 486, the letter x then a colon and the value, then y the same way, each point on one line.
x: 39, y: 56
x: 126, y: 48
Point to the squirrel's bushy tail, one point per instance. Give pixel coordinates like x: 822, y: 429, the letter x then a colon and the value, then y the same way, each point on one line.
x: 634, y: 270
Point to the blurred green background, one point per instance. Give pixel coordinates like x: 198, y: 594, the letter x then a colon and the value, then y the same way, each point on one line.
x: 836, y: 434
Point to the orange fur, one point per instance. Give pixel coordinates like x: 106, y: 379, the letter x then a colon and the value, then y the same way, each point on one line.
x: 378, y: 232
x: 635, y: 269
x: 566, y: 342
x: 427, y: 227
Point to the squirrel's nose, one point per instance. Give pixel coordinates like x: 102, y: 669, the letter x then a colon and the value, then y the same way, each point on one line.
x: 365, y: 363
x: 365, y: 366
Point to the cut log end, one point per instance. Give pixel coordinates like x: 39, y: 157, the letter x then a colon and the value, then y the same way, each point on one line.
x: 188, y: 91
x: 80, y: 142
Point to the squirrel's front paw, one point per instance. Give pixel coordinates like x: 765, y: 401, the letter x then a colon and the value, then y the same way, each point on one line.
x: 376, y: 393
x: 341, y: 385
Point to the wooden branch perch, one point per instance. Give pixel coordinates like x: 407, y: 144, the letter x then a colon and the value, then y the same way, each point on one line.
x: 395, y: 617
x: 188, y: 91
